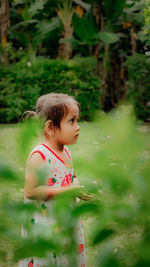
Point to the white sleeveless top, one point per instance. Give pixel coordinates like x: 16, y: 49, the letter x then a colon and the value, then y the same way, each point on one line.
x: 57, y: 174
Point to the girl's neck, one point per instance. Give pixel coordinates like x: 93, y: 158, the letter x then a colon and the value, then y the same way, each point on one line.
x: 53, y: 145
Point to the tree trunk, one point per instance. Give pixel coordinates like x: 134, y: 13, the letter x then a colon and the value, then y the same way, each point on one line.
x: 101, y: 69
x: 133, y: 40
x: 104, y: 76
x: 97, y: 11
x: 65, y: 49
x: 5, y: 22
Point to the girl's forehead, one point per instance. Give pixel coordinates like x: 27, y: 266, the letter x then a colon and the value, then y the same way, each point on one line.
x: 73, y: 109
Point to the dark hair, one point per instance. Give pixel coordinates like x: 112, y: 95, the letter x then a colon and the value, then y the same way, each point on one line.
x: 52, y: 107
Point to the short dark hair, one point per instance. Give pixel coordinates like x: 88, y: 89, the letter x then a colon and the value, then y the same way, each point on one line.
x: 52, y: 107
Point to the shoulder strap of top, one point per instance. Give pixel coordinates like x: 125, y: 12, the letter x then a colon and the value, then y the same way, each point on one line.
x: 68, y: 152
x: 69, y: 155
x: 37, y: 149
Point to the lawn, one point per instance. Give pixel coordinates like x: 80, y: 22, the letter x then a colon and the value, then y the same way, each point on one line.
x: 90, y: 135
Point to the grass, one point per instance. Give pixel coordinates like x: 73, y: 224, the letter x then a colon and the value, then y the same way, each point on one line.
x: 8, y: 147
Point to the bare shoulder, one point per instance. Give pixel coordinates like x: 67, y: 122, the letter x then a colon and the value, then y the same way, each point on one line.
x: 35, y: 160
x: 34, y: 163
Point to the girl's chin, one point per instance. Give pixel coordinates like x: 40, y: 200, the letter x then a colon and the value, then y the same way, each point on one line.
x: 74, y: 140
x: 72, y: 143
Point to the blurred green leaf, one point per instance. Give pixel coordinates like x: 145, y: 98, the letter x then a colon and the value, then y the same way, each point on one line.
x: 27, y: 134
x: 23, y: 23
x: 44, y: 27
x: 113, y: 8
x: 30, y: 248
x: 102, y: 235
x: 85, y: 28
x: 36, y: 7
x: 107, y: 37
x: 111, y: 262
x: 89, y: 207
x: 143, y: 264
x: 7, y: 172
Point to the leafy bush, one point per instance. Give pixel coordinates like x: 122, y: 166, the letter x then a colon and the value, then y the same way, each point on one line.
x: 139, y: 84
x: 22, y: 83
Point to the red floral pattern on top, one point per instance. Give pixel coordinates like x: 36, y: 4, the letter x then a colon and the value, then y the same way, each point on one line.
x: 80, y: 248
x: 51, y: 181
x: 67, y: 180
x: 30, y: 264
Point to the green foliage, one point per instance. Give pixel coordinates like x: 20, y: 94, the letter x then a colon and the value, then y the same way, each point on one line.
x: 119, y: 165
x: 119, y: 168
x: 86, y: 32
x: 144, y: 34
x: 134, y: 11
x: 28, y: 19
x: 85, y: 28
x: 27, y: 134
x: 102, y: 235
x: 108, y: 37
x: 147, y: 14
x: 12, y: 52
x: 45, y: 28
x: 138, y: 84
x: 22, y: 83
x: 113, y: 8
x: 36, y: 7
x: 37, y: 27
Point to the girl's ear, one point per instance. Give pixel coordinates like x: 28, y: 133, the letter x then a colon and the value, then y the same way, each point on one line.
x: 49, y: 127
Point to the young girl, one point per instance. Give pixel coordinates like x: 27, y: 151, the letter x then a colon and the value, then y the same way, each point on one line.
x: 60, y: 113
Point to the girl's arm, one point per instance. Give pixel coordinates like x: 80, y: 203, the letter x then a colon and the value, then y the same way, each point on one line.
x: 42, y: 192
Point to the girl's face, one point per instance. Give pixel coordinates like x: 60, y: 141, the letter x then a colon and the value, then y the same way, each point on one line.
x: 69, y: 128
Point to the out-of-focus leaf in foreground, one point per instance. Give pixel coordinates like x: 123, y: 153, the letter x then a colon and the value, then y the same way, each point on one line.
x: 28, y: 134
x: 117, y: 162
x: 102, y: 235
x: 114, y: 166
x: 7, y: 172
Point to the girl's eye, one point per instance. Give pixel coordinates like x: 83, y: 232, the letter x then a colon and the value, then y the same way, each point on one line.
x: 72, y: 120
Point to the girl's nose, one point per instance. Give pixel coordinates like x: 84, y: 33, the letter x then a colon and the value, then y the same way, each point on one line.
x: 77, y: 127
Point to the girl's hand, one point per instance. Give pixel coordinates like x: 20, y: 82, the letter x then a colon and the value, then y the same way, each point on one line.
x: 82, y: 193
x: 85, y: 196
